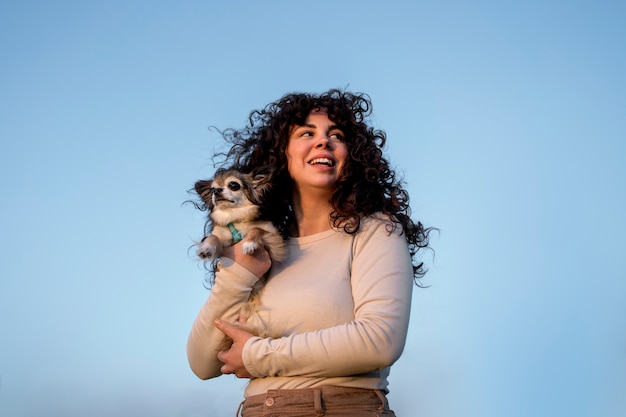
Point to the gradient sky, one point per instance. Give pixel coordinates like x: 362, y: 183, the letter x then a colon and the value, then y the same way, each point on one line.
x: 506, y: 120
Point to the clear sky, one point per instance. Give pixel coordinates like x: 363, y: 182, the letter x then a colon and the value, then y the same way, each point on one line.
x: 506, y: 119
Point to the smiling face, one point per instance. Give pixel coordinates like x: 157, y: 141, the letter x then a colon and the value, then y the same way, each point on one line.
x: 316, y: 153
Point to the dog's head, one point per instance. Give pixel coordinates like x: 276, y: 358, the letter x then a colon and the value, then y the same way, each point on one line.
x: 231, y: 189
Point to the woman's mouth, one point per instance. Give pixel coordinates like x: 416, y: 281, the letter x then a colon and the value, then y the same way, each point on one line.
x: 322, y: 161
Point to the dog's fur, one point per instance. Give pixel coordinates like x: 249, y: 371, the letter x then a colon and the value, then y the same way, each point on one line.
x: 236, y: 198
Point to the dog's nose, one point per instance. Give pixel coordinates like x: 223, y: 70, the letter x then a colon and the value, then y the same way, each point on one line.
x: 217, y: 191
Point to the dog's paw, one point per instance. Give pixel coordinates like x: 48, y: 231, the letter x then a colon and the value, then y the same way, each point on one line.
x: 207, y: 249
x: 249, y: 247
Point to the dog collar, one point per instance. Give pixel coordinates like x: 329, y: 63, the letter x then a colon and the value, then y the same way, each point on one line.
x: 237, y: 236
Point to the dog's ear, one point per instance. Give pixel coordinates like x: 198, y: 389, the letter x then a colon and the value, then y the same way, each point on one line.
x: 261, y: 179
x: 203, y: 189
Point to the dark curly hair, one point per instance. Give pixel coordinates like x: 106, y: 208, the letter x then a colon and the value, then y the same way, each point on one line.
x: 367, y: 185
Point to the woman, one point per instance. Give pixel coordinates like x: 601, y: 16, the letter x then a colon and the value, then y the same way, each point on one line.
x: 337, y: 308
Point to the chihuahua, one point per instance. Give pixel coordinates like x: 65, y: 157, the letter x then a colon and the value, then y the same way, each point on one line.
x: 234, y: 201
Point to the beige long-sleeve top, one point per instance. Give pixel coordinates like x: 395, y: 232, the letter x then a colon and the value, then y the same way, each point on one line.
x: 336, y: 311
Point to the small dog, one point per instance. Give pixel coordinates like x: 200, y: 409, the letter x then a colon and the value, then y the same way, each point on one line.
x: 234, y: 202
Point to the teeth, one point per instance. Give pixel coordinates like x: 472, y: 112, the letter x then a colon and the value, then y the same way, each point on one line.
x: 324, y: 161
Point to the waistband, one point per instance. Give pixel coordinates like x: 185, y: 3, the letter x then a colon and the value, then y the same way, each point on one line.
x: 317, y: 399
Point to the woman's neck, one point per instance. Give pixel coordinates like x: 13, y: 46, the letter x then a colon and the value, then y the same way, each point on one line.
x: 312, y: 216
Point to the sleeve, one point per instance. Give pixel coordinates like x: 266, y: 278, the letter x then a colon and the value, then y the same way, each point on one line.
x: 382, y: 283
x: 231, y: 288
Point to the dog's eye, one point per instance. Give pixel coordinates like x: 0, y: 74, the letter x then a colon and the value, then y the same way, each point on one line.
x: 234, y: 186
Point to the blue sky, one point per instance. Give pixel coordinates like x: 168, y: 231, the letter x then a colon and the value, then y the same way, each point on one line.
x: 506, y: 120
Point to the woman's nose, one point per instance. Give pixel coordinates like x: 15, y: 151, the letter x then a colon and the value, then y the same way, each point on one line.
x: 323, y: 142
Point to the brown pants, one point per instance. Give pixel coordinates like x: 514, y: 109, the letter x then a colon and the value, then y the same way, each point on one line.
x: 317, y: 402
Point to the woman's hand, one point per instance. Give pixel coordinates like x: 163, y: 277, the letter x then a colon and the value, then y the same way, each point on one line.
x: 232, y: 358
x: 258, y: 262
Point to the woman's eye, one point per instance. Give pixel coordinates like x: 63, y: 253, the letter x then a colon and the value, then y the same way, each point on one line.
x: 234, y: 186
x: 337, y: 136
x: 306, y: 133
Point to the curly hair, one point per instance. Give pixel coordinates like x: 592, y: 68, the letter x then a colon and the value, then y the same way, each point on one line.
x: 366, y: 186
